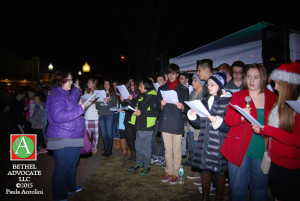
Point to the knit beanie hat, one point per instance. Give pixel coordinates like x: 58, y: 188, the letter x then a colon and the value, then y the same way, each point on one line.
x: 289, y: 72
x: 202, y: 82
x: 219, y: 78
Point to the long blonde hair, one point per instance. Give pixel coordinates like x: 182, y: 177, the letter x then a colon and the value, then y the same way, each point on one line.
x: 287, y: 91
x: 95, y: 84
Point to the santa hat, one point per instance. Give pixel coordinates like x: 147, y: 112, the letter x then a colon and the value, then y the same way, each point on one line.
x: 287, y: 72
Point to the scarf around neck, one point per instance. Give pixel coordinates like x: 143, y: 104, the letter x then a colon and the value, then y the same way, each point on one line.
x: 173, y: 85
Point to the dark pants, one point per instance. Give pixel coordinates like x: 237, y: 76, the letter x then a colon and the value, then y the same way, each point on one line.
x: 106, y: 127
x: 154, y: 147
x: 284, y: 182
x: 64, y: 176
x: 40, y: 137
x: 116, y: 125
x: 130, y: 133
x: 122, y: 134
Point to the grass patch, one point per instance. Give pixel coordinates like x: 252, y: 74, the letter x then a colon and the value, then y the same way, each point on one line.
x: 113, y: 181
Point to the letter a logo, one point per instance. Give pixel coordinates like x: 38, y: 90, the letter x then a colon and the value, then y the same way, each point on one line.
x: 23, y: 147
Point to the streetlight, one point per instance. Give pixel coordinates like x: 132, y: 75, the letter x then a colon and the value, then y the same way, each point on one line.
x: 50, y: 68
x: 86, y: 68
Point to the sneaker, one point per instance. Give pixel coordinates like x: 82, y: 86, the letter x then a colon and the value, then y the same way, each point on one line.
x: 211, y: 192
x: 174, y: 180
x: 135, y: 168
x: 41, y: 151
x: 194, y: 175
x: 161, y: 160
x: 146, y: 170
x: 78, y: 188
x: 154, y: 159
x: 166, y: 178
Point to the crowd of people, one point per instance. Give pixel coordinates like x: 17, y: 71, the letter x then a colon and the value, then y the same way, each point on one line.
x: 222, y: 145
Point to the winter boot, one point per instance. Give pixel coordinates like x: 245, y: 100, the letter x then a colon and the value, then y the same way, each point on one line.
x: 220, y: 188
x: 206, y: 180
x: 117, y: 143
x: 123, y: 145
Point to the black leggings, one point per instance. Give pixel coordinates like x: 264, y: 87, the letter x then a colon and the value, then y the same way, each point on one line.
x: 284, y: 182
x: 130, y: 133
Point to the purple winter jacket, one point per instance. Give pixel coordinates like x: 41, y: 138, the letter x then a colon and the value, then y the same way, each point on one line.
x: 64, y: 115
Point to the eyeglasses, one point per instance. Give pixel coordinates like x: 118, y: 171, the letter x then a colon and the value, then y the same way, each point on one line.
x: 69, y: 80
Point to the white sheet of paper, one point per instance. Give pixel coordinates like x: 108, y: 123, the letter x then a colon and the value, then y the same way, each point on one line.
x: 198, y: 106
x: 123, y: 91
x: 170, y: 96
x: 100, y: 95
x: 156, y: 86
x: 129, y: 108
x: 246, y: 115
x: 85, y: 96
x: 294, y: 104
x: 91, y: 97
x: 115, y: 109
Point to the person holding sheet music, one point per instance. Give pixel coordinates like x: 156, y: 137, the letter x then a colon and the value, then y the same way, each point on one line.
x: 106, y: 117
x: 243, y: 148
x: 130, y: 132
x: 171, y: 123
x: 144, y: 119
x: 91, y: 115
x: 196, y: 94
x: 64, y: 133
x: 283, y: 130
x: 213, y: 131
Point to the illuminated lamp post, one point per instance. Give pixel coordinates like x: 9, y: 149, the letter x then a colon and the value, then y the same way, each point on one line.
x: 86, y: 68
x: 50, y: 68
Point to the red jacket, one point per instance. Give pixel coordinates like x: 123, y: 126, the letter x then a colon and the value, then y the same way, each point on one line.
x: 239, y: 136
x: 285, y: 146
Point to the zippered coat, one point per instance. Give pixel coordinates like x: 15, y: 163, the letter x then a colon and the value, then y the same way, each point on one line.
x: 64, y: 115
x: 207, y: 154
x: 147, y: 105
x: 171, y: 118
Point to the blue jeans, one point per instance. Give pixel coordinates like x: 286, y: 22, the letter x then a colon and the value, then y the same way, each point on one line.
x: 154, y: 143
x: 116, y: 125
x: 64, y: 175
x: 106, y: 127
x: 248, y: 174
x: 192, y: 141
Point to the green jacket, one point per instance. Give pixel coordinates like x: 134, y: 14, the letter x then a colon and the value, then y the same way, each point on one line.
x: 147, y: 104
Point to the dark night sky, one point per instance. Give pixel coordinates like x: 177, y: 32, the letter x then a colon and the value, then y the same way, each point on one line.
x: 68, y: 33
